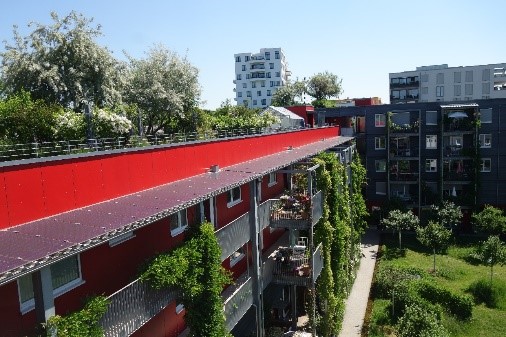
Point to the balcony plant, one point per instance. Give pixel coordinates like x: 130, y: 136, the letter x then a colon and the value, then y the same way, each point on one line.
x: 292, y: 205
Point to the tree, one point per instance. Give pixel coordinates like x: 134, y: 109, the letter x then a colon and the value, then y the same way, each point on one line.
x: 324, y: 85
x: 417, y: 321
x: 491, y: 220
x: 434, y: 236
x: 290, y: 94
x: 447, y: 214
x: 61, y: 63
x: 400, y: 221
x: 490, y: 253
x: 165, y: 89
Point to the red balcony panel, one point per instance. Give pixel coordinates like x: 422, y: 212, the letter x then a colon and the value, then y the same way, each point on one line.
x: 140, y: 168
x: 58, y: 182
x: 88, y: 181
x: 116, y: 175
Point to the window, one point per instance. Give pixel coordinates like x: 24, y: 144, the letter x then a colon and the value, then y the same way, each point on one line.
x: 178, y: 222
x: 486, y: 116
x: 273, y: 179
x: 485, y: 140
x: 485, y: 75
x: 262, y: 84
x: 268, y: 75
x: 379, y: 143
x: 381, y: 188
x: 237, y: 59
x: 234, y: 195
x: 440, y: 91
x: 278, y: 74
x: 469, y: 89
x: 440, y: 78
x: 431, y: 165
x: 485, y: 88
x: 243, y: 67
x: 239, y: 94
x: 244, y: 85
x: 457, y: 90
x: 259, y: 93
x: 237, y: 256
x: 254, y: 102
x: 271, y: 65
x: 278, y: 83
x: 457, y: 77
x: 380, y: 165
x: 253, y: 84
x: 486, y: 165
x: 238, y: 76
x: 379, y: 120
x: 264, y: 101
x: 248, y: 76
x: 179, y: 308
x: 431, y: 141
x: 268, y: 92
x: 267, y: 55
x: 65, y: 275
x: 248, y: 93
x: 272, y: 84
x: 120, y: 239
x: 469, y: 76
x: 430, y: 117
x: 246, y: 58
x: 276, y: 55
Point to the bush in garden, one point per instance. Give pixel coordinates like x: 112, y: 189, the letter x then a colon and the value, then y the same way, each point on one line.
x: 417, y: 321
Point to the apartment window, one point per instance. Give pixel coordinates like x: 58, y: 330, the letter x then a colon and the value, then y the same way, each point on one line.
x: 272, y: 84
x: 264, y: 101
x: 486, y: 116
x: 237, y: 59
x: 178, y: 222
x: 469, y: 76
x: 268, y: 75
x: 248, y: 76
x: 425, y: 90
x: 457, y: 77
x: 262, y: 84
x: 246, y: 58
x: 440, y: 91
x: 485, y: 75
x: 431, y: 141
x: 380, y: 143
x: 273, y: 179
x: 278, y: 74
x: 431, y: 118
x: 485, y: 88
x: 469, y: 89
x: 380, y: 120
x: 485, y: 140
x: 457, y: 90
x: 267, y: 55
x: 278, y: 83
x: 243, y: 67
x: 268, y: 92
x: 120, y: 239
x: 440, y: 78
x: 254, y: 102
x: 65, y: 275
x: 239, y: 94
x: 380, y: 165
x: 253, y: 84
x: 431, y: 165
x: 234, y: 195
x: 381, y: 188
x: 238, y: 76
x: 248, y: 93
x: 402, y: 94
x: 395, y: 94
x: 271, y: 65
x: 244, y: 85
x: 276, y: 55
x: 259, y: 93
x: 486, y: 165
x: 237, y: 256
x: 425, y: 78
x: 179, y: 308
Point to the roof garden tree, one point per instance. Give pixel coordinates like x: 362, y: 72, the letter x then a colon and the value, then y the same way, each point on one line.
x: 491, y: 252
x: 290, y: 94
x: 434, y: 236
x: 322, y: 86
x: 165, y: 89
x: 491, y: 220
x: 400, y: 221
x: 61, y: 63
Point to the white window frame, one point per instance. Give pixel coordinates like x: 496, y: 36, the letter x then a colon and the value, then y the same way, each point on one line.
x: 377, y: 166
x: 380, y: 120
x: 440, y: 91
x: 29, y: 305
x: 231, y: 201
x: 179, y: 308
x: 378, y: 143
x: 486, y: 168
x: 273, y: 179
x: 182, y: 223
x: 237, y: 256
x: 431, y: 165
x: 431, y: 142
x: 483, y: 140
x: 120, y: 239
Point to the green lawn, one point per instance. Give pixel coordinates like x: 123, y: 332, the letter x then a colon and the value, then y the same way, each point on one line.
x: 455, y: 272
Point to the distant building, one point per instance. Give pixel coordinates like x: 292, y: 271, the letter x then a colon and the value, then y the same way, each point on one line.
x: 440, y: 83
x: 366, y: 101
x: 287, y: 118
x: 258, y: 76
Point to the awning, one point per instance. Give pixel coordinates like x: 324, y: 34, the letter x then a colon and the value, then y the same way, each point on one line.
x: 457, y: 114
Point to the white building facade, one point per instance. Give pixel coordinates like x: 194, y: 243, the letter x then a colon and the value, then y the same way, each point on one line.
x: 443, y: 83
x: 258, y: 76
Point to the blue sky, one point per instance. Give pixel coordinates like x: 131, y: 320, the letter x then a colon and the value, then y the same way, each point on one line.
x: 361, y: 41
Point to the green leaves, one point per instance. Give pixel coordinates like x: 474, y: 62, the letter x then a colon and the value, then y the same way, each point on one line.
x: 324, y: 85
x: 491, y: 220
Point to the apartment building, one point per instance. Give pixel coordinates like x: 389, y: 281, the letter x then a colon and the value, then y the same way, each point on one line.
x: 258, y: 76
x: 73, y: 226
x: 440, y: 83
x: 423, y: 153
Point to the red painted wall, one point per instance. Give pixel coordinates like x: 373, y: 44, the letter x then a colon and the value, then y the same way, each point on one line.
x: 33, y: 191
x: 302, y: 111
x: 166, y: 324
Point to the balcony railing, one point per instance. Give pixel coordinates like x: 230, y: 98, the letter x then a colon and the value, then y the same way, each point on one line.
x: 405, y: 128
x: 291, y: 267
x: 406, y: 84
x: 464, y: 175
x: 317, y: 261
x: 294, y: 214
x: 238, y: 302
x: 132, y: 306
x: 410, y: 152
x: 404, y: 176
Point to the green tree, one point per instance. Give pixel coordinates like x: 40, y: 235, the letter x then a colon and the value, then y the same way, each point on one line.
x: 324, y: 85
x: 359, y: 212
x: 290, y: 94
x: 434, y: 236
x: 447, y: 214
x: 400, y: 221
x: 490, y: 253
x: 165, y: 89
x: 417, y: 321
x: 491, y: 220
x: 61, y: 63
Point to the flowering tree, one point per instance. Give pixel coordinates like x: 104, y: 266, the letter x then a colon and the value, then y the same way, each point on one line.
x: 434, y: 236
x: 108, y: 124
x: 400, y: 221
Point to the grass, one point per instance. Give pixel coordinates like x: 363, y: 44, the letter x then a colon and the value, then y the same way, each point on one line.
x: 456, y: 272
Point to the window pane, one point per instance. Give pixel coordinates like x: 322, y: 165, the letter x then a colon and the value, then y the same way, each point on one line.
x: 25, y: 288
x: 381, y: 188
x: 65, y: 271
x: 486, y: 115
x: 431, y: 117
x: 173, y: 222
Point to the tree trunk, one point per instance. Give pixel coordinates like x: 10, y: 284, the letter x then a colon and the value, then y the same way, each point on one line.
x: 400, y: 246
x: 434, y: 251
x: 491, y: 273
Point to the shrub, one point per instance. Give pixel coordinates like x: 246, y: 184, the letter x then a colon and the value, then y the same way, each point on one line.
x: 492, y: 297
x: 417, y: 321
x: 459, y: 305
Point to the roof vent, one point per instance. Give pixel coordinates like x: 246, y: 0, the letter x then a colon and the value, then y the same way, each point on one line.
x: 290, y: 148
x: 214, y: 168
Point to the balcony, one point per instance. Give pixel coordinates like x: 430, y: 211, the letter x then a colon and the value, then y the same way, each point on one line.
x: 412, y: 128
x: 132, y: 306
x: 238, y: 298
x: 403, y: 152
x: 292, y: 265
x: 406, y: 84
x: 458, y: 125
x: 405, y: 177
x: 296, y: 211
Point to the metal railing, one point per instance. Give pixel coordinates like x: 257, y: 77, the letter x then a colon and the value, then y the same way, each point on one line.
x: 318, y: 261
x: 297, y: 218
x: 132, y: 306
x: 10, y: 152
x: 238, y: 303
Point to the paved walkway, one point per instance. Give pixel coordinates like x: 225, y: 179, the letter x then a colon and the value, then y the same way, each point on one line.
x: 356, y: 304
